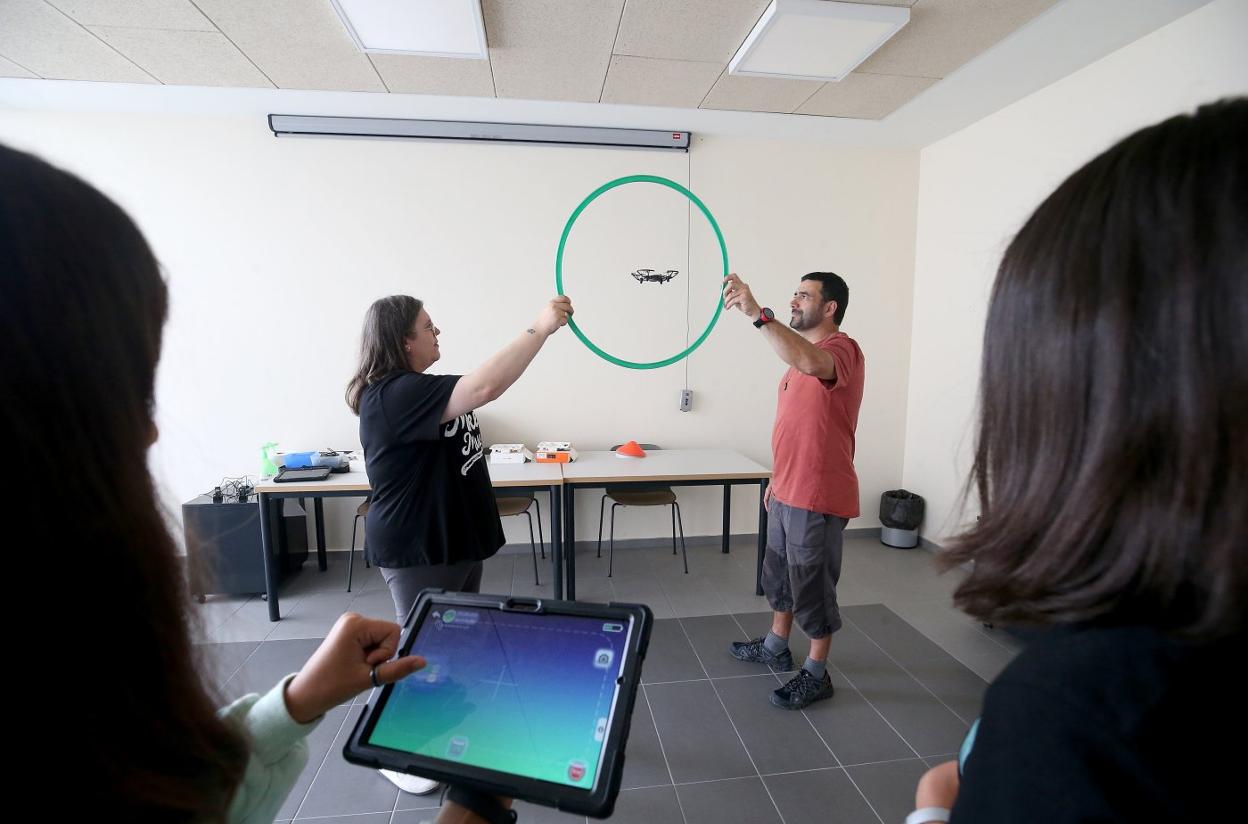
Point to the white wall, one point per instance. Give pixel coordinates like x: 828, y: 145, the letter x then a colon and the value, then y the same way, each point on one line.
x: 976, y: 188
x: 273, y: 249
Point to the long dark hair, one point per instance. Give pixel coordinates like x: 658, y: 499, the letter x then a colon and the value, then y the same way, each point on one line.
x: 1112, y: 457
x: 82, y: 304
x: 386, y: 323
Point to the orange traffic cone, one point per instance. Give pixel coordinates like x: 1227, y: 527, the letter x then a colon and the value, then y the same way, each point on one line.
x: 630, y: 450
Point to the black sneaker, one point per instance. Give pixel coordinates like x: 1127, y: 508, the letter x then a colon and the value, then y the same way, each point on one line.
x: 755, y: 652
x: 802, y: 691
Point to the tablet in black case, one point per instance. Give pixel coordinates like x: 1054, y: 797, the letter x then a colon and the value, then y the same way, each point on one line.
x: 520, y: 697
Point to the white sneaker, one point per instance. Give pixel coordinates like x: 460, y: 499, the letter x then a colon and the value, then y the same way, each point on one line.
x: 410, y: 783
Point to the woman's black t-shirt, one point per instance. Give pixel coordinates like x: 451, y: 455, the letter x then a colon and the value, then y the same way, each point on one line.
x: 432, y: 499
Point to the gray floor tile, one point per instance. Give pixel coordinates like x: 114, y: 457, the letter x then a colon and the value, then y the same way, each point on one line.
x: 651, y: 805
x: 926, y: 724
x: 374, y: 604
x: 691, y: 596
x: 902, y: 642
x: 922, y: 720
x: 644, y: 765
x: 822, y: 796
x: 269, y: 664
x: 524, y: 588
x: 696, y: 734
x: 244, y: 625
x: 219, y: 662
x: 329, y: 604
x: 597, y: 590
x: 522, y: 572
x: 634, y: 590
x: 852, y: 727
x: 954, y: 684
x: 743, y: 600
x: 296, y: 627
x: 889, y: 787
x: 309, y: 579
x: 935, y: 760
x: 987, y: 664
x: 319, y: 742
x: 345, y: 789
x: 217, y: 608
x: 497, y: 574
x: 743, y: 801
x: 670, y: 657
x: 711, y: 637
x: 853, y: 651
x: 777, y: 740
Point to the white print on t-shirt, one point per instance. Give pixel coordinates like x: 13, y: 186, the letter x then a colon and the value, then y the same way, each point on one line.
x: 472, y: 447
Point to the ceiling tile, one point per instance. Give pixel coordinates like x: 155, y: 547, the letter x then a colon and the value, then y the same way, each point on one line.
x: 184, y: 58
x: 45, y: 41
x: 551, y: 49
x: 10, y: 69
x: 944, y: 34
x: 759, y: 94
x: 139, y: 14
x: 411, y: 74
x: 705, y: 30
x: 865, y: 96
x: 642, y: 81
x: 298, y: 44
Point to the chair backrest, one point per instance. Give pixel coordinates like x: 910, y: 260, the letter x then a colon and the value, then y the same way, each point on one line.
x: 645, y: 446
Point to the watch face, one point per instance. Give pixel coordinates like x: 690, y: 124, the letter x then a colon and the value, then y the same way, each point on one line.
x: 769, y: 315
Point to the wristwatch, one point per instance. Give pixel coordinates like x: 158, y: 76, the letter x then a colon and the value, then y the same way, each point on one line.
x: 765, y: 316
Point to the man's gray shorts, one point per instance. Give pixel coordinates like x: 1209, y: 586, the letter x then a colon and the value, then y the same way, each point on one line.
x: 803, y: 565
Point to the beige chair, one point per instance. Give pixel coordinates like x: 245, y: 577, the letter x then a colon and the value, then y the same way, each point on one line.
x: 360, y: 512
x: 514, y: 504
x: 640, y: 495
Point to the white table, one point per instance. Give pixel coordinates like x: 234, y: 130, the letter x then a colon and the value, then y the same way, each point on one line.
x: 354, y: 484
x: 670, y: 467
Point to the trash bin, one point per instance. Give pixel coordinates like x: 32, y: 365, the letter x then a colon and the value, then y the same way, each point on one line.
x: 901, y: 512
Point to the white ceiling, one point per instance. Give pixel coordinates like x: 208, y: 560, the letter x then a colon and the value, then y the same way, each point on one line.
x: 648, y: 52
x: 604, y: 62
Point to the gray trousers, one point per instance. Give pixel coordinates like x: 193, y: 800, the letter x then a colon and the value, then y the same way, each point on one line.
x: 802, y: 566
x: 406, y: 583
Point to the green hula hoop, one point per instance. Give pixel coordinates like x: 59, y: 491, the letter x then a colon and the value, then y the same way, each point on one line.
x: 563, y: 240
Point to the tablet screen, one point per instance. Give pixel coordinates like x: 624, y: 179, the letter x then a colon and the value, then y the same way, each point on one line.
x: 517, y: 692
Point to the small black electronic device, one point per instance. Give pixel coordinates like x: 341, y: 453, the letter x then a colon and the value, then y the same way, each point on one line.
x: 309, y: 473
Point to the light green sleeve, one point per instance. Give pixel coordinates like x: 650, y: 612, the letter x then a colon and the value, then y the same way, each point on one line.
x: 278, y: 750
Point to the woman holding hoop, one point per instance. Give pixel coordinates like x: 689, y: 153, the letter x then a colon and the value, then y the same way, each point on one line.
x: 433, y: 520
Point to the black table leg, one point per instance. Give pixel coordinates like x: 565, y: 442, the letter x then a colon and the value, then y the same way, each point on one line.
x: 727, y: 515
x: 569, y: 547
x: 271, y: 561
x: 762, y: 535
x: 556, y: 538
x: 318, y: 506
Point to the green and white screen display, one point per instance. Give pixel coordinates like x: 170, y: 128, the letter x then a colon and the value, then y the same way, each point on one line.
x: 520, y: 693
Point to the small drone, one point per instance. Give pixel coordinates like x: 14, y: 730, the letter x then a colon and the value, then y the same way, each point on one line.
x: 649, y: 276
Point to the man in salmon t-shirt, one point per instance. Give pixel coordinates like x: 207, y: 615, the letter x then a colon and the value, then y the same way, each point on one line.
x: 814, y: 489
